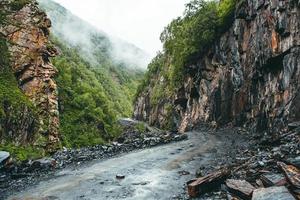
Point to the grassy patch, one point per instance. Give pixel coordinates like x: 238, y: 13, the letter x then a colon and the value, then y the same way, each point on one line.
x: 23, y: 153
x: 12, y: 96
x: 9, y: 90
x: 140, y: 127
x: 92, y: 97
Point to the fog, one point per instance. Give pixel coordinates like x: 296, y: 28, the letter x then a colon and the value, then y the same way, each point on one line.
x: 90, y: 40
x: 137, y: 21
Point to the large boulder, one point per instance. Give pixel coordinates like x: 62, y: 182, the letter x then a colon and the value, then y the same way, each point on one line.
x: 43, y: 163
x: 272, y: 193
x: 4, y: 158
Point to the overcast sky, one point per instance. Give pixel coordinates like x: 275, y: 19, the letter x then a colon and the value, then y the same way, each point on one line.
x: 137, y: 21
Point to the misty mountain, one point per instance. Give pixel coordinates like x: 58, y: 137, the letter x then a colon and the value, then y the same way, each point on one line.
x: 97, y: 79
x: 91, y: 41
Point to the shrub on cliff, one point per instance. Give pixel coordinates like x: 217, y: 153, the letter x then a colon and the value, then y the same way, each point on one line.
x: 154, y: 67
x: 186, y: 38
x: 13, y: 103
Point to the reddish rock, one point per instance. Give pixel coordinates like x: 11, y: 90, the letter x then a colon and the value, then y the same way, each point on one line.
x: 206, y: 183
x: 270, y: 179
x: 292, y: 174
x: 240, y: 188
x: 27, y: 32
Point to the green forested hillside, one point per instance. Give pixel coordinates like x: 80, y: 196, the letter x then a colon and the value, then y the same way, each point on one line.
x: 91, y: 98
x: 96, y: 87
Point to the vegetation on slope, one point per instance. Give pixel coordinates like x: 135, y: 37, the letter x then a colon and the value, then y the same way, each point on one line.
x: 92, y: 96
x: 12, y: 104
x: 96, y: 84
x: 187, y: 38
x: 94, y: 91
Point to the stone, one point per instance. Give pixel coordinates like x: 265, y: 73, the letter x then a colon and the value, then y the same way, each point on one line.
x: 4, y: 156
x: 184, y: 173
x: 240, y: 188
x: 294, y: 161
x: 272, y: 193
x: 120, y: 177
x: 127, y: 122
x: 206, y: 183
x: 199, y: 172
x: 141, y: 183
x: 272, y: 179
x: 44, y: 163
x: 293, y: 125
x: 292, y: 174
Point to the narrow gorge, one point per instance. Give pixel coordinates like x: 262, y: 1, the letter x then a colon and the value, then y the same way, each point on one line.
x: 214, y: 116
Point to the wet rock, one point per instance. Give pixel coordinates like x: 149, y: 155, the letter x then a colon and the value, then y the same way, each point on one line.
x: 291, y: 173
x: 206, y: 183
x: 120, y: 177
x: 272, y: 179
x: 241, y: 188
x: 19, y: 175
x: 294, y: 161
x: 44, y: 163
x: 293, y: 125
x: 259, y: 183
x: 141, y: 183
x: 127, y: 122
x: 4, y: 157
x: 52, y: 198
x: 272, y: 193
x: 180, y: 137
x: 199, y: 172
x: 184, y: 173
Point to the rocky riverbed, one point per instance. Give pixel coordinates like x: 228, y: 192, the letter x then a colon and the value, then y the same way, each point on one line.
x: 152, y: 173
x: 268, y: 169
x: 257, y: 166
x: 17, y: 176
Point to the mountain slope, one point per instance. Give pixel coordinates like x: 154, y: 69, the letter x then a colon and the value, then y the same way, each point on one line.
x: 95, y: 88
x: 96, y: 45
x: 73, y: 99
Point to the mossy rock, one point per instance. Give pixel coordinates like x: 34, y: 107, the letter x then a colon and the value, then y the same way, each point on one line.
x: 22, y: 153
x: 16, y: 110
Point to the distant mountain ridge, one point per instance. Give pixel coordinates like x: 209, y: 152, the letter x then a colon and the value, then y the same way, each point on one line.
x: 78, y: 32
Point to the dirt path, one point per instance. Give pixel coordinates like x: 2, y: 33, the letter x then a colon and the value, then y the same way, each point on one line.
x: 149, y: 174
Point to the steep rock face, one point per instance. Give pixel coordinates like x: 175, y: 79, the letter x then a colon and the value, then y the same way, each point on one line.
x: 26, y: 28
x: 250, y: 76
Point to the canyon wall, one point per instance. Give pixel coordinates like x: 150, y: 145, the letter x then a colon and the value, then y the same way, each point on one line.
x: 250, y: 76
x: 26, y: 30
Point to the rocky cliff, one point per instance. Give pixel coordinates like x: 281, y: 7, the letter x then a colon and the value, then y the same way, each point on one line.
x: 250, y: 76
x: 26, y: 30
